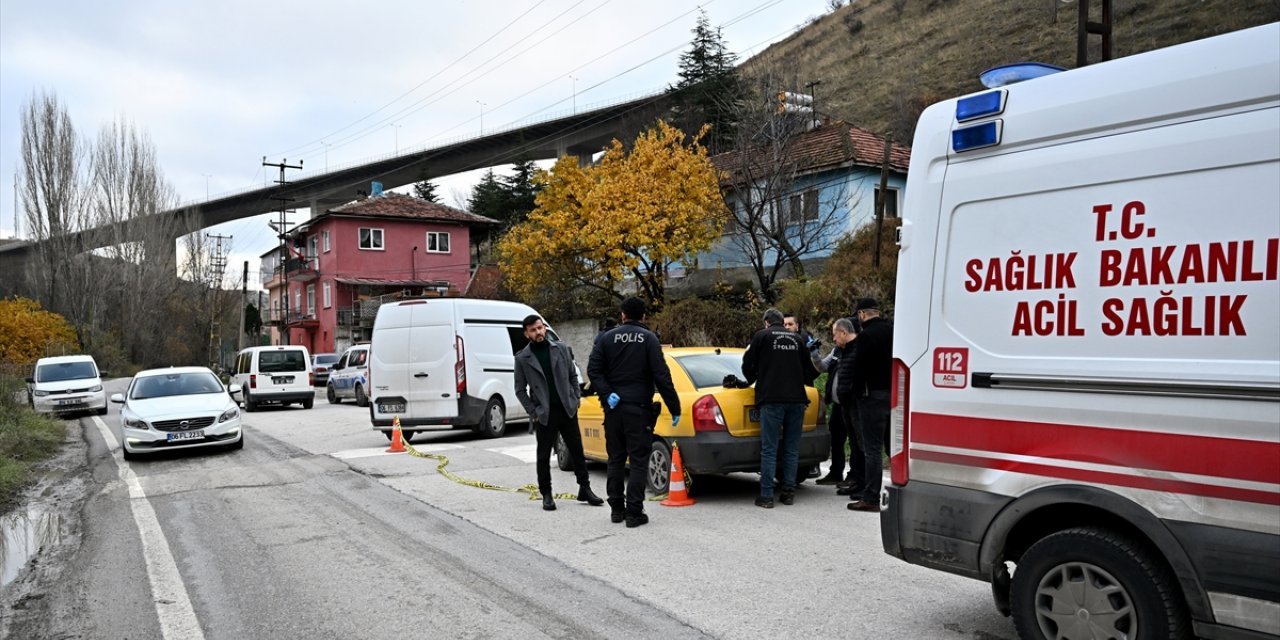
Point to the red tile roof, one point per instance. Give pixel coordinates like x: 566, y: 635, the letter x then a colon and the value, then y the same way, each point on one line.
x: 395, y: 205
x: 832, y: 145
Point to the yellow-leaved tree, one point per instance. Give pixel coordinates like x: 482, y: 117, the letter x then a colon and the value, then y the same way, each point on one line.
x: 634, y: 214
x: 28, y: 332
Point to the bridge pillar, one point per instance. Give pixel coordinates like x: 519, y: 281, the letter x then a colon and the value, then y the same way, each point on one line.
x: 163, y: 252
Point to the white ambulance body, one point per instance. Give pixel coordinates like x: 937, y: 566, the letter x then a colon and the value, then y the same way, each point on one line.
x: 1087, y: 345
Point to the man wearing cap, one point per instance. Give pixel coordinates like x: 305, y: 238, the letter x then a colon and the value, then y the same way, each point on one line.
x: 779, y: 365
x: 872, y: 376
x: 626, y: 365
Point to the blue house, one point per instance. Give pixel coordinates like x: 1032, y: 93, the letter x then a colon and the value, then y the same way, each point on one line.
x: 795, y: 198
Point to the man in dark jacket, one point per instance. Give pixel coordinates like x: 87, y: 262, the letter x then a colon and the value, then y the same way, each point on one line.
x: 547, y: 386
x: 779, y: 365
x: 842, y: 421
x: 872, y: 375
x: 625, y: 367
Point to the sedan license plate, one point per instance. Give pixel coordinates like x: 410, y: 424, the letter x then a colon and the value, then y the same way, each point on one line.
x: 281, y: 379
x: 186, y: 435
x: 397, y: 407
x: 753, y: 414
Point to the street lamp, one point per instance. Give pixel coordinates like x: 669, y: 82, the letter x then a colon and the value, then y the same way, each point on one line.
x: 481, y: 116
x: 326, y: 154
x: 575, y: 94
x: 397, y: 128
x: 206, y: 185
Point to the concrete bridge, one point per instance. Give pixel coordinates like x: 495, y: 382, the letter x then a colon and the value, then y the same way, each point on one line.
x: 581, y: 133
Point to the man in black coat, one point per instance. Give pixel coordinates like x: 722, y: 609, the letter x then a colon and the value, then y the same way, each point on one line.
x: 872, y: 377
x: 779, y: 365
x: 547, y: 386
x: 625, y: 367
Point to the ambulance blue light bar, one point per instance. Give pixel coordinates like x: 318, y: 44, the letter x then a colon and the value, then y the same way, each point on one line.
x: 990, y: 103
x: 977, y: 136
x: 1005, y: 75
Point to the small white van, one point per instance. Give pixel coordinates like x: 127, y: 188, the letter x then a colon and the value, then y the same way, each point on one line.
x: 447, y: 362
x: 1086, y: 402
x: 279, y: 374
x: 65, y: 384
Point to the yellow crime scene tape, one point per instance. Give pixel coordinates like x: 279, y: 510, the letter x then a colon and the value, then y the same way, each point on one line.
x: 531, y: 489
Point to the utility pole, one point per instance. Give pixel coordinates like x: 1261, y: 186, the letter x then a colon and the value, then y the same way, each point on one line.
x: 880, y: 194
x: 284, y: 251
x: 16, y: 232
x: 244, y: 295
x: 219, y: 264
x: 813, y: 100
x: 1085, y: 28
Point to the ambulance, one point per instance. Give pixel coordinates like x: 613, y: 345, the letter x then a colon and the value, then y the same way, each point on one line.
x: 1086, y: 409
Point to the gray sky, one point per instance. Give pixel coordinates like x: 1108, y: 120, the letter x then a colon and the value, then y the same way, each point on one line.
x: 219, y: 84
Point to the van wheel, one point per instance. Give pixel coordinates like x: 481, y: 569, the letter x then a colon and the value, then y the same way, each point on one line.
x: 307, y: 404
x: 249, y: 405
x: 362, y: 400
x: 331, y: 396
x: 659, y: 477
x: 493, y: 423
x: 562, y: 455
x: 1080, y: 581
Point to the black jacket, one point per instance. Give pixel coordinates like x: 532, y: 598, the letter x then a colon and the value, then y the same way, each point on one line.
x: 873, y: 362
x: 779, y: 363
x: 627, y: 360
x: 844, y: 378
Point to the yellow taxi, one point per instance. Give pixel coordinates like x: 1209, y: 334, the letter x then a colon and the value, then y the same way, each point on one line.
x: 720, y: 429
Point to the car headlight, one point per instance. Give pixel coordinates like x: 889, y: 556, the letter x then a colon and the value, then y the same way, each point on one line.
x: 39, y: 394
x: 134, y: 423
x: 97, y: 388
x: 229, y: 414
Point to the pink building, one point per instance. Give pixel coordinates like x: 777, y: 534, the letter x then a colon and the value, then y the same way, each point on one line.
x: 344, y: 263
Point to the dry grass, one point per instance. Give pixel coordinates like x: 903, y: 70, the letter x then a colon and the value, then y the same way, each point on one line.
x: 879, y: 67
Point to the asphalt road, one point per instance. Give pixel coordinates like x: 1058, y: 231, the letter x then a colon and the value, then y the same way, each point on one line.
x: 311, y: 531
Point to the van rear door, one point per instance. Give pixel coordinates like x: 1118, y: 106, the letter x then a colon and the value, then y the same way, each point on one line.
x: 431, y: 382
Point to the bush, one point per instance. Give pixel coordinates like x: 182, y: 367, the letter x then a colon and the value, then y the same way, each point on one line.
x: 26, y: 438
x: 28, y: 332
x: 846, y: 276
x: 695, y: 322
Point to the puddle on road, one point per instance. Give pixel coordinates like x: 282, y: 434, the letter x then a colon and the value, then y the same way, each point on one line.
x: 22, y: 534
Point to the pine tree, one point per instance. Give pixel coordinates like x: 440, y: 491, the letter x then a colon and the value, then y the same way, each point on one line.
x: 521, y: 189
x: 710, y: 90
x: 489, y: 198
x: 426, y: 190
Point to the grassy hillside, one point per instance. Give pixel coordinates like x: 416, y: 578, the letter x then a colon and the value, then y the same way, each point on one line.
x: 880, y: 62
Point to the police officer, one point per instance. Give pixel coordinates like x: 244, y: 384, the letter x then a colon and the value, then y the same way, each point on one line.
x: 625, y: 366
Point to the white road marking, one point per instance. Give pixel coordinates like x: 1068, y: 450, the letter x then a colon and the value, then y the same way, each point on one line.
x: 523, y: 452
x: 382, y: 451
x: 173, y: 606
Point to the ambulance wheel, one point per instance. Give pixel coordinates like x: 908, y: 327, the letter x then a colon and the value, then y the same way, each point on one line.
x: 362, y: 400
x: 562, y: 455
x: 493, y: 422
x: 331, y: 396
x: 1090, y: 582
x: 659, y: 477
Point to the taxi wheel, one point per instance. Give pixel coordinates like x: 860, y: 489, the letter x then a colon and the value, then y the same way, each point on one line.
x: 331, y: 396
x: 659, y: 468
x: 362, y: 400
x: 562, y: 455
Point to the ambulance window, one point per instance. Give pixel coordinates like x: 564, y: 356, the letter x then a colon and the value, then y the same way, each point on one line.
x: 890, y: 202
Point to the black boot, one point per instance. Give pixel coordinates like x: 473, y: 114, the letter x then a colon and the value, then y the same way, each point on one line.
x: 586, y: 495
x: 548, y: 502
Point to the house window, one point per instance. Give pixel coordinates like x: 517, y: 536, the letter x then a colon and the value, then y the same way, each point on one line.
x: 311, y: 300
x: 437, y: 242
x: 297, y: 299
x: 804, y: 207
x: 328, y: 295
x: 371, y: 239
x: 890, y: 202
x: 325, y: 235
x: 313, y: 246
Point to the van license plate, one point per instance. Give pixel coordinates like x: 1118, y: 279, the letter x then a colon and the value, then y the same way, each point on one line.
x: 186, y: 435
x: 397, y: 407
x: 753, y: 414
x: 282, y: 379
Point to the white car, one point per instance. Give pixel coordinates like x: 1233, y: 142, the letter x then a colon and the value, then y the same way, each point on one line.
x: 178, y: 408
x: 64, y: 384
x: 349, y: 378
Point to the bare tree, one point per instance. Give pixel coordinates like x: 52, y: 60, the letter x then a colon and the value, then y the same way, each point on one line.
x: 783, y: 210
x: 52, y: 193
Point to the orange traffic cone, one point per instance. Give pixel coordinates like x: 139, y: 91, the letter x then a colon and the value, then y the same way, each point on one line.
x: 677, y: 496
x: 397, y: 438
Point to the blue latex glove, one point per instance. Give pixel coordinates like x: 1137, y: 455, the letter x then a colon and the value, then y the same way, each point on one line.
x: 675, y: 420
x: 613, y: 400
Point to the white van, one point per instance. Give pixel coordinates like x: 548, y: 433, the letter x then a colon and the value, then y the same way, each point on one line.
x: 280, y: 374
x: 65, y: 384
x: 447, y: 362
x: 1086, y: 411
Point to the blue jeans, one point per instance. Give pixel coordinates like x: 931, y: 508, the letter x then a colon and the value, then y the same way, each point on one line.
x: 785, y: 420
